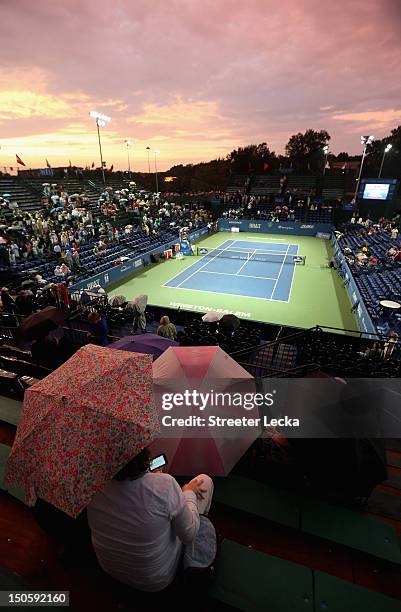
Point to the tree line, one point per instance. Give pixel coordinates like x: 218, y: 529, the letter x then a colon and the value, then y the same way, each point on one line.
x: 304, y: 154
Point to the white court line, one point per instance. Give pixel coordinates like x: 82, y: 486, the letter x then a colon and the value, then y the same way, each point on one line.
x: 293, y: 274
x: 248, y: 297
x: 258, y: 251
x: 279, y: 274
x: 252, y: 238
x: 240, y: 275
x: 244, y: 264
x: 194, y: 264
x: 205, y: 264
x: 264, y: 240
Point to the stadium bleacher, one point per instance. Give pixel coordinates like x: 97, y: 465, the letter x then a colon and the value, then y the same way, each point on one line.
x: 333, y: 187
x: 265, y: 184
x: 378, y: 282
x: 237, y: 183
x: 20, y: 192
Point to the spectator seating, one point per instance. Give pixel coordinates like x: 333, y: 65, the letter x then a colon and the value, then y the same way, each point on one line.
x: 265, y: 184
x: 238, y: 182
x: 27, y: 198
x: 333, y: 187
x: 303, y: 183
x: 207, y: 334
x: 381, y: 282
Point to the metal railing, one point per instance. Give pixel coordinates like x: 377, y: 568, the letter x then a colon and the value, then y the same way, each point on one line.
x: 284, y: 356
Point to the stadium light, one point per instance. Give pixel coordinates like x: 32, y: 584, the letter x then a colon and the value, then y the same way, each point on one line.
x: 128, y: 144
x: 156, y: 152
x: 387, y: 148
x: 365, y: 141
x: 148, y: 150
x: 326, y: 154
x: 101, y: 121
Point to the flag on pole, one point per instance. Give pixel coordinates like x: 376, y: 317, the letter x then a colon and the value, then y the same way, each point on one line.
x: 111, y: 167
x: 19, y: 160
x: 266, y: 166
x: 47, y: 164
x: 93, y: 165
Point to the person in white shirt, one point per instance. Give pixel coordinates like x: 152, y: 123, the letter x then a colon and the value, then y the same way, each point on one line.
x: 394, y: 233
x: 141, y: 520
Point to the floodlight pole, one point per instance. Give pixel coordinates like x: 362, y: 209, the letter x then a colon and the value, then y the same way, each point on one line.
x: 386, y: 150
x: 326, y: 156
x: 148, y: 150
x: 157, y: 179
x: 129, y: 164
x: 366, y: 140
x: 100, y: 150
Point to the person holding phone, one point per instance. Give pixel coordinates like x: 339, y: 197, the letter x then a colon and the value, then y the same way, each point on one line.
x: 141, y: 520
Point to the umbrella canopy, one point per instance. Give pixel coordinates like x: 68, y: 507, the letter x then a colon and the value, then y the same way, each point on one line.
x: 212, y: 316
x: 202, y: 368
x: 40, y: 323
x: 80, y: 425
x: 140, y: 302
x: 117, y: 300
x: 3, y: 240
x: 229, y: 323
x: 26, y: 284
x: 150, y: 344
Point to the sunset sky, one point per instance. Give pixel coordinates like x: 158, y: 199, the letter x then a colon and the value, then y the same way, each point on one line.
x: 193, y: 78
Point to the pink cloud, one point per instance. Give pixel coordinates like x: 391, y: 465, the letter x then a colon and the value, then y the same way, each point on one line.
x: 267, y: 70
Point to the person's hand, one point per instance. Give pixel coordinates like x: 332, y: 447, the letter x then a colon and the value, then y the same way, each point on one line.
x: 196, y: 487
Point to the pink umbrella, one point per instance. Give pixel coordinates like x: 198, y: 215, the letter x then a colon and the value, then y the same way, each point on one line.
x: 206, y: 450
x: 80, y: 425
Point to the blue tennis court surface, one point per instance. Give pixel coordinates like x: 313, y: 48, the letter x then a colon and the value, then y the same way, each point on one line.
x: 233, y: 268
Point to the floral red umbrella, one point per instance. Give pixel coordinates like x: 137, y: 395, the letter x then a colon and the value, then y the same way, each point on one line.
x: 81, y: 424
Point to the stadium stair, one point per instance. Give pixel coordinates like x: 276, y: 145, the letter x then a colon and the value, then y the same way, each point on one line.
x: 335, y: 595
x: 350, y: 529
x: 259, y: 499
x: 313, y: 517
x: 253, y: 581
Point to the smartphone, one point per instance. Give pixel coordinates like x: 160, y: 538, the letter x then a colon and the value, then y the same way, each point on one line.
x: 158, y: 462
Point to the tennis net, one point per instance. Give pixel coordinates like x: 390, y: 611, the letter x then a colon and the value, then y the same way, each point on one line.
x: 244, y: 255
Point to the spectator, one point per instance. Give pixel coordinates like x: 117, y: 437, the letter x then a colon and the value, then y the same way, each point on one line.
x: 139, y: 320
x: 7, y: 301
x: 167, y: 329
x: 98, y: 329
x: 394, y: 233
x: 390, y: 346
x: 140, y: 522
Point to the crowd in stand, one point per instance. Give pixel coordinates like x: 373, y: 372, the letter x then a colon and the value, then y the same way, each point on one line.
x: 366, y: 255
x: 291, y: 206
x: 57, y: 231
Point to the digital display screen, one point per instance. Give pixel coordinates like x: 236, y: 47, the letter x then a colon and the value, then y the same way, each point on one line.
x: 376, y: 191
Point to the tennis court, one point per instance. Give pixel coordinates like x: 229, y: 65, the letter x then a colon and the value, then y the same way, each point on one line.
x: 243, y: 268
x: 285, y: 293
